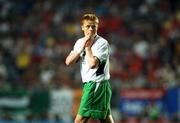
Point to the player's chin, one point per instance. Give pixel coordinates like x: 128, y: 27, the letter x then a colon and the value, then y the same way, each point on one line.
x: 92, y: 34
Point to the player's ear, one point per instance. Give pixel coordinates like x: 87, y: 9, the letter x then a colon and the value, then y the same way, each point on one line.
x: 82, y: 27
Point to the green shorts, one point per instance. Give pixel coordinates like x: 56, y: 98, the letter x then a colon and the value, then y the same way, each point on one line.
x: 95, y: 103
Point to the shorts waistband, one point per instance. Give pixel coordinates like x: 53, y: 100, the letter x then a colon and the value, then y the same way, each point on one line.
x: 96, y: 82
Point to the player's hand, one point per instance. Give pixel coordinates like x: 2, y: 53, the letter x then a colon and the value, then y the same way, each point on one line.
x: 89, y: 39
x: 85, y: 43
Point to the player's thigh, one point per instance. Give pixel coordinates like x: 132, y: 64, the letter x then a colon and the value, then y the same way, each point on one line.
x: 109, y: 119
x: 81, y: 119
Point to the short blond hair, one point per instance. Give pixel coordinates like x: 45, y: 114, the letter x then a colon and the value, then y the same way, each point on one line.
x: 91, y: 17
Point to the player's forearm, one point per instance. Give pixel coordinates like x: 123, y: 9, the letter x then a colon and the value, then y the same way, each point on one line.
x: 72, y: 58
x: 93, y: 62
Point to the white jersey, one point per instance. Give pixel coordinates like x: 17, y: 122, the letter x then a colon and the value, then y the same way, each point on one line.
x: 100, y: 49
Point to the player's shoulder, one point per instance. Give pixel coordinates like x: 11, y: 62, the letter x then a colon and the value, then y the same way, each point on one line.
x: 79, y: 41
x: 101, y: 40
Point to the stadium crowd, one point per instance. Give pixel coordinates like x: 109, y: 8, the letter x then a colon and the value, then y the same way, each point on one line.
x: 37, y: 35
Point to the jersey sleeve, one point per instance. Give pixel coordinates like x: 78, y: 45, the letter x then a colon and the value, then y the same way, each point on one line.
x: 77, y: 45
x: 102, y: 51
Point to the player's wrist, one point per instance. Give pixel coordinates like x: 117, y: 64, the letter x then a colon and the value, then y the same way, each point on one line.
x: 87, y: 48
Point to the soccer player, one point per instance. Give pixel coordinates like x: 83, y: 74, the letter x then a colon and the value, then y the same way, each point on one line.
x: 92, y: 51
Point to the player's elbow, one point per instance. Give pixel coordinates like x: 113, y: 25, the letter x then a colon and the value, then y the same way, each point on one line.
x: 92, y: 65
x: 67, y: 62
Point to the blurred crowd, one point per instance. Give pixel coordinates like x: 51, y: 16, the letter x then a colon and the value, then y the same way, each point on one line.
x: 37, y: 35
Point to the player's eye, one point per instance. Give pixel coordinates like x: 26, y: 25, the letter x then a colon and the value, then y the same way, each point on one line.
x: 92, y: 26
x: 88, y: 26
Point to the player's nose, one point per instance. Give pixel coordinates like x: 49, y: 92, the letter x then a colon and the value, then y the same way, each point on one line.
x: 90, y: 28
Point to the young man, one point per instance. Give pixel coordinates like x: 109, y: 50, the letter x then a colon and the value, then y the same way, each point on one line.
x: 93, y: 52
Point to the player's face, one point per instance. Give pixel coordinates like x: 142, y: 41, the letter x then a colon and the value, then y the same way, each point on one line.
x: 89, y: 27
